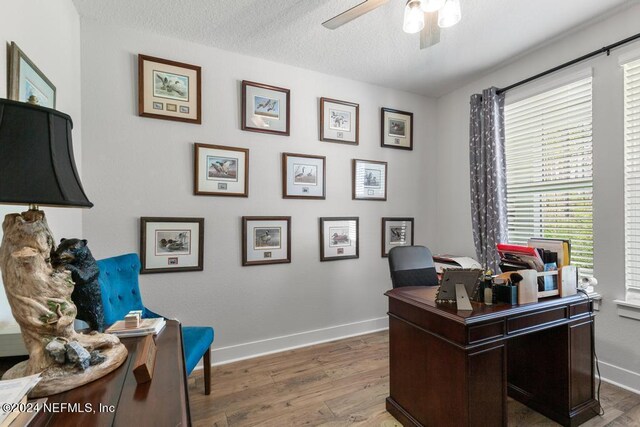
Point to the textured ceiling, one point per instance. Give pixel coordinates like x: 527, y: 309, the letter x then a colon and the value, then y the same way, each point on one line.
x: 372, y: 48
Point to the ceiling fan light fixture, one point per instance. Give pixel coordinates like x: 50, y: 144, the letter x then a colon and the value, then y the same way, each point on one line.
x: 450, y: 14
x: 413, y: 17
x: 431, y: 5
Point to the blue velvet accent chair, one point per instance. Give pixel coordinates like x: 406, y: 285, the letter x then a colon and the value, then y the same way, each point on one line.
x: 121, y: 293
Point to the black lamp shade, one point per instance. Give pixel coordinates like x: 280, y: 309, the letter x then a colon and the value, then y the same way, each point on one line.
x: 36, y: 157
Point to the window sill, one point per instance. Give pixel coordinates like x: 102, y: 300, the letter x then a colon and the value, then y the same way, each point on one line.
x: 630, y: 309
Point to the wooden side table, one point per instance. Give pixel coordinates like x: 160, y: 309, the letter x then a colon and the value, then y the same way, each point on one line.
x: 118, y: 400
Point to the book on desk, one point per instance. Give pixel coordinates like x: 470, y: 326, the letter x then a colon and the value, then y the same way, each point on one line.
x: 146, y: 327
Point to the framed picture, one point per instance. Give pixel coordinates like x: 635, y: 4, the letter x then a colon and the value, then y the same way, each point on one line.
x: 265, y: 108
x: 339, y: 238
x: 220, y: 171
x: 303, y: 176
x: 171, y: 244
x: 266, y: 240
x: 169, y: 90
x: 369, y: 180
x: 339, y: 121
x: 397, y: 129
x: 396, y: 232
x: 26, y: 82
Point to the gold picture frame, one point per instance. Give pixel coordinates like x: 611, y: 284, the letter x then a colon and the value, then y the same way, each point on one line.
x: 26, y: 82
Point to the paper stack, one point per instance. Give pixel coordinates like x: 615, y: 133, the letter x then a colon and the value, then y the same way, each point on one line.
x: 14, y: 393
x: 132, y: 320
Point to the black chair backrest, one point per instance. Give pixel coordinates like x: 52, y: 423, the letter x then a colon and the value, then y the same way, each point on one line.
x: 412, y: 266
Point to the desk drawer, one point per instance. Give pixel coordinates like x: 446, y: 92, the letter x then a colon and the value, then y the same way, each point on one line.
x: 580, y: 309
x: 486, y: 331
x: 537, y: 320
x: 428, y: 321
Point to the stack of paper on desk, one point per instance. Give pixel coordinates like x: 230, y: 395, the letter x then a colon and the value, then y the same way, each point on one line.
x: 516, y: 257
x: 454, y: 261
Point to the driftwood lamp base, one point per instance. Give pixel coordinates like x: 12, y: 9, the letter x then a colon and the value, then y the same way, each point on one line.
x: 40, y: 300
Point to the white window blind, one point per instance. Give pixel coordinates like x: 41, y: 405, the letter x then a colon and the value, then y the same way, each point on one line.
x: 549, y: 169
x: 632, y: 177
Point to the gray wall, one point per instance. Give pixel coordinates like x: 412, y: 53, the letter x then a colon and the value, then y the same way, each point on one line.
x: 617, y: 338
x: 143, y: 167
x: 49, y: 34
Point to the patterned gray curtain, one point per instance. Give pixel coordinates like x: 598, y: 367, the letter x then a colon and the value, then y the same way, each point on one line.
x: 488, y: 176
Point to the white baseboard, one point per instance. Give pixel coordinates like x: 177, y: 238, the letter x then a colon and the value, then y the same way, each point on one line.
x: 234, y: 353
x: 620, y: 377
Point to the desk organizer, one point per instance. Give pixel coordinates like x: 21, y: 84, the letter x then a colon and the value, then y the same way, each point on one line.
x: 566, y: 281
x: 508, y: 294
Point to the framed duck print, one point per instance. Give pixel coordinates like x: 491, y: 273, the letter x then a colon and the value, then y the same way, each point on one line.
x: 170, y: 244
x: 396, y: 232
x: 303, y: 176
x: 26, y: 82
x: 266, y: 240
x: 397, y: 129
x: 169, y: 90
x: 339, y: 238
x: 265, y: 108
x: 339, y: 121
x: 220, y: 171
x: 369, y: 180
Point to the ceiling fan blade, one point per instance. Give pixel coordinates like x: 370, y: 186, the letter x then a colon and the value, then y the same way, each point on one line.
x: 430, y: 34
x: 353, y: 13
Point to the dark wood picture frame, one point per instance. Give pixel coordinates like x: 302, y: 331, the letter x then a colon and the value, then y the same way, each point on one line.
x: 197, y: 190
x: 13, y: 92
x: 144, y: 86
x: 244, y: 119
x: 143, y: 244
x: 323, y: 256
x: 245, y: 226
x: 384, y: 232
x: 385, y: 138
x: 354, y: 183
x: 286, y: 172
x: 324, y: 137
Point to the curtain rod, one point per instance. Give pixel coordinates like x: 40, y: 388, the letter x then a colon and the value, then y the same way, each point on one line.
x: 606, y: 49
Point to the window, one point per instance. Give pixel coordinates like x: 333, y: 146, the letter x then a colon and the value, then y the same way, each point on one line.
x: 632, y: 179
x: 549, y: 169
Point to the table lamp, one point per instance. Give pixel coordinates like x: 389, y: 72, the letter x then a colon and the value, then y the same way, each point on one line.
x: 37, y: 168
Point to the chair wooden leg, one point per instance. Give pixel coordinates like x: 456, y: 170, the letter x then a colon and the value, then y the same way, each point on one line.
x: 207, y: 371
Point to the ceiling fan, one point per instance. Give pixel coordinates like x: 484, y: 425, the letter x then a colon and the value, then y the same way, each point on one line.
x: 419, y: 16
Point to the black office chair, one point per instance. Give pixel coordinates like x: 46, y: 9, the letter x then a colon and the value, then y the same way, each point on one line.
x: 412, y: 266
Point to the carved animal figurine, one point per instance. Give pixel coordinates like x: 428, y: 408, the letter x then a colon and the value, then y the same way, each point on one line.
x: 75, y: 256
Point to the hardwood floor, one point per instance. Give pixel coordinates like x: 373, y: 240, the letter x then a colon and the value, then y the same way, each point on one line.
x: 339, y: 383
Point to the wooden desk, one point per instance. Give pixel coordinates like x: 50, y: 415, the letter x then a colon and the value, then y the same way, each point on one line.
x: 454, y: 368
x: 162, y: 401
